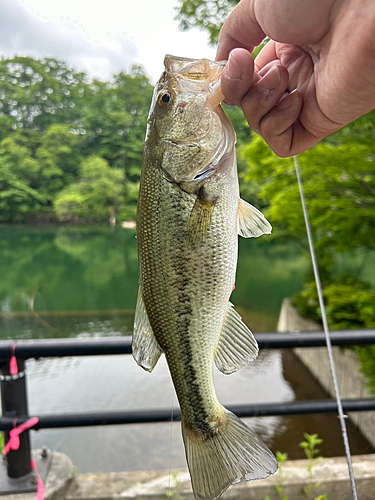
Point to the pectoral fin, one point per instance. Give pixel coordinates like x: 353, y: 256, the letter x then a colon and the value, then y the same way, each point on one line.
x: 251, y: 222
x: 200, y: 220
x: 145, y: 347
x: 236, y: 346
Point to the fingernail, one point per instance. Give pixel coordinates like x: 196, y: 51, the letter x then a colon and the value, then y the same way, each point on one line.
x: 271, y: 79
x: 232, y: 69
x: 288, y: 101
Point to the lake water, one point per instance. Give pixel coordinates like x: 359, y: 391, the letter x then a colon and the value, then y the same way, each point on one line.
x: 82, y: 282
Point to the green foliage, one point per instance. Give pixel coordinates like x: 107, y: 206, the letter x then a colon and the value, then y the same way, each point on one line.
x: 309, y: 446
x: 51, y: 119
x: 18, y: 186
x: 58, y: 156
x: 174, y: 494
x: 339, y: 185
x: 207, y: 16
x: 37, y: 93
x: 96, y: 196
x: 279, y: 488
x: 115, y: 120
x: 1, y: 442
x: 350, y: 303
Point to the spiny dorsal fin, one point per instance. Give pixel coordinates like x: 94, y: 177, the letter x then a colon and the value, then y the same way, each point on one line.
x: 236, y: 346
x: 146, y: 350
x: 251, y: 222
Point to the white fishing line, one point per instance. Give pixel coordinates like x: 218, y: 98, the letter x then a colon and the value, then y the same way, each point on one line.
x: 328, y: 338
x: 170, y: 442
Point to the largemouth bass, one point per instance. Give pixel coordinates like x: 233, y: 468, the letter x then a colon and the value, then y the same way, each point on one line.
x: 188, y: 220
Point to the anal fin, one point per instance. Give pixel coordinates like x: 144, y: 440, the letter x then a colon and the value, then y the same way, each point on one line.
x: 145, y: 347
x: 236, y: 346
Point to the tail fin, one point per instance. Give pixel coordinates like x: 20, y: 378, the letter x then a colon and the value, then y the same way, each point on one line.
x: 230, y: 455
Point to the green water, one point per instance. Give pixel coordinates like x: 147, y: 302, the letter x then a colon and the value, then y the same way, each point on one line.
x: 77, y: 281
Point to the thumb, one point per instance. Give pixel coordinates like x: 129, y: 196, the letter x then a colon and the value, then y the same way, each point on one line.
x: 241, y: 29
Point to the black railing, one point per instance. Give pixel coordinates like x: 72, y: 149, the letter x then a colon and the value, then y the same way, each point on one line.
x: 14, y: 393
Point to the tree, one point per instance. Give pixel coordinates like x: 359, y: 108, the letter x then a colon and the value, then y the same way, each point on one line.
x: 37, y: 93
x: 115, y: 120
x: 57, y: 117
x: 97, y: 196
x: 59, y: 157
x: 338, y: 178
x: 339, y: 185
x: 18, y: 178
x: 207, y: 16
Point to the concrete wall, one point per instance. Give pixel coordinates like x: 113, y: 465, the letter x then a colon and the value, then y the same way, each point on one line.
x: 332, y: 472
x: 351, y: 381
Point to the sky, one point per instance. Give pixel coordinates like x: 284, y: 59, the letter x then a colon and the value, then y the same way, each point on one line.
x: 101, y: 37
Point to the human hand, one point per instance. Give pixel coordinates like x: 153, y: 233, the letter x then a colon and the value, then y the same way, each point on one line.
x: 323, y: 50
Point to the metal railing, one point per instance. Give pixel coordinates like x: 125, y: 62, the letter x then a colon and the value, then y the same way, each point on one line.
x: 15, y: 407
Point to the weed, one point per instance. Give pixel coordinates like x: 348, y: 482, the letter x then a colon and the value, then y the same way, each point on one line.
x: 174, y: 495
x: 311, y: 451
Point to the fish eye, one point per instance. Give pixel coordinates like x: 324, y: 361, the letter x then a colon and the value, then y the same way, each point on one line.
x: 164, y: 99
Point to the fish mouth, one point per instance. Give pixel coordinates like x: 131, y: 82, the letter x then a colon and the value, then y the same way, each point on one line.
x: 193, y: 69
x: 199, y: 70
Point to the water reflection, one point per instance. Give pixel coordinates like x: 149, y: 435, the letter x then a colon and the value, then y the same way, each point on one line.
x: 117, y: 383
x: 71, y: 269
x: 81, y: 278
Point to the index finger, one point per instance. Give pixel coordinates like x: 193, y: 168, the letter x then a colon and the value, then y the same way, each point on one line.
x: 241, y: 29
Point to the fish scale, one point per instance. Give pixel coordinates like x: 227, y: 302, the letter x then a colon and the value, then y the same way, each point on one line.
x: 172, y: 287
x: 188, y: 218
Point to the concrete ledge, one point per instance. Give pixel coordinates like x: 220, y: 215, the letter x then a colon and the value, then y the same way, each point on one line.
x: 351, y: 382
x: 59, y: 478
x: 154, y: 485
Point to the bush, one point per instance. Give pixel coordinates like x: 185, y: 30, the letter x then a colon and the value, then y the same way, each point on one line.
x: 350, y: 303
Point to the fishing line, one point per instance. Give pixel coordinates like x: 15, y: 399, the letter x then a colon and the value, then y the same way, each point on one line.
x: 326, y: 332
x: 170, y: 442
